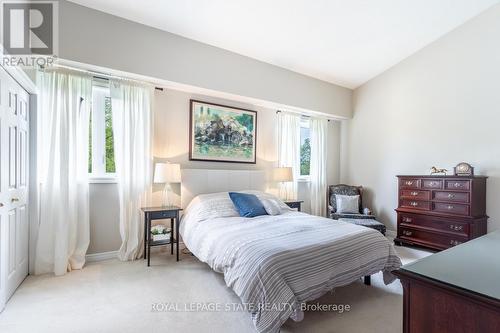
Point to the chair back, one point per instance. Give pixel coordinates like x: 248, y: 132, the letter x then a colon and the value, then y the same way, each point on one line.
x: 343, y: 189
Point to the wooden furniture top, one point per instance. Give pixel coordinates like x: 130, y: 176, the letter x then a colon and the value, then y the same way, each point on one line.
x: 441, y: 176
x: 472, y: 266
x: 159, y: 208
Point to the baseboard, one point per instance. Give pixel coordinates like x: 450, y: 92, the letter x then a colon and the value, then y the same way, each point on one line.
x: 93, y: 257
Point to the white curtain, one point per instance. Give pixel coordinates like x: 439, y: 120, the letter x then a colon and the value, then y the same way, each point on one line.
x: 318, y: 131
x: 63, y: 143
x: 132, y: 130
x: 289, y: 151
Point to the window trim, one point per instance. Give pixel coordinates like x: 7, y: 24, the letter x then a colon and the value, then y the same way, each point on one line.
x: 103, y: 180
x: 100, y: 90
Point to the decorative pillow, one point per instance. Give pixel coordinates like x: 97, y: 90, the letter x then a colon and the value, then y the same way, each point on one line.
x: 347, y: 204
x: 248, y: 205
x: 271, y: 206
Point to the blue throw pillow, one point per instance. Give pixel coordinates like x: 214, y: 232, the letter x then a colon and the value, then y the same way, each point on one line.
x: 248, y: 205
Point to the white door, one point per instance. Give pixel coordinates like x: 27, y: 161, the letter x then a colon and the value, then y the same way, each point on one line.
x: 14, y: 227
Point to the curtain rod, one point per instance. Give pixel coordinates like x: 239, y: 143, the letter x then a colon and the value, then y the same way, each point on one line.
x: 105, y: 76
x: 302, y: 115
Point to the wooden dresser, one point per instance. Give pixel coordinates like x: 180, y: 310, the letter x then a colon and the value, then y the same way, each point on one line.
x: 455, y: 291
x: 439, y: 212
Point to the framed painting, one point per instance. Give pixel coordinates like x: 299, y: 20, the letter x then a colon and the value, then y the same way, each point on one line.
x: 221, y: 133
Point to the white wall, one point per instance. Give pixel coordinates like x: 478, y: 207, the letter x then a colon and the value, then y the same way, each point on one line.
x: 439, y: 107
x: 171, y: 143
x: 96, y: 38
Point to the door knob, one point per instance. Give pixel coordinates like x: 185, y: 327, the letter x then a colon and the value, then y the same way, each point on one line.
x: 14, y: 199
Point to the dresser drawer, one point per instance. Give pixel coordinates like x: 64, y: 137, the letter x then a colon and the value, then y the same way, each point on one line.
x: 451, y: 208
x: 457, y: 185
x: 430, y: 238
x: 416, y: 194
x: 415, y: 204
x: 435, y: 223
x: 432, y: 183
x: 452, y: 196
x: 410, y: 183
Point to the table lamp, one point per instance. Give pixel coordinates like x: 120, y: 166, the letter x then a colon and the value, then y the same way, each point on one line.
x: 167, y: 173
x: 283, y: 175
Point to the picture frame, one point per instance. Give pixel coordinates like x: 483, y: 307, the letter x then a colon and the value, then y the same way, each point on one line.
x: 222, y: 133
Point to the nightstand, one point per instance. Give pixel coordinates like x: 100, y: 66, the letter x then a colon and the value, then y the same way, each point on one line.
x: 161, y: 213
x: 295, y: 204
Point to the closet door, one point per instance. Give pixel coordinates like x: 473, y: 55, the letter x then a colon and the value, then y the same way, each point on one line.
x: 14, y: 230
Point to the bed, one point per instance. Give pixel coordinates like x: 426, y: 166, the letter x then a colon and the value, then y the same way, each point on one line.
x: 277, y: 263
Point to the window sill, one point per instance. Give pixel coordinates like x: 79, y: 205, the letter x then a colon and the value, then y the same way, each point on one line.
x: 303, y: 180
x: 103, y: 180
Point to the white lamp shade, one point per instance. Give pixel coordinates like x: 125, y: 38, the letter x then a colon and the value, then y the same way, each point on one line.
x: 283, y: 174
x: 167, y: 173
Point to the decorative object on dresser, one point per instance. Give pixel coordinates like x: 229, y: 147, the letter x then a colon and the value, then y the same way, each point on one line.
x: 435, y: 171
x: 294, y: 204
x: 438, y: 212
x: 221, y: 133
x: 161, y: 213
x: 464, y: 169
x: 342, y: 189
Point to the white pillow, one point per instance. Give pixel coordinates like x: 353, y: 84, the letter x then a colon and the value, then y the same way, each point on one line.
x: 271, y: 206
x: 347, y: 204
x: 210, y: 206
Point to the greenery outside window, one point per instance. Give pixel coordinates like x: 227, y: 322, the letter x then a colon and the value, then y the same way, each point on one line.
x: 305, y: 148
x: 101, y: 164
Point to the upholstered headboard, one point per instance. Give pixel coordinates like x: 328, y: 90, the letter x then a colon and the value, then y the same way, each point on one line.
x: 202, y: 181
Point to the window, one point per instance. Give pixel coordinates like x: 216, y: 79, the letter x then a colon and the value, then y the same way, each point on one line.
x: 101, y: 145
x: 305, y: 148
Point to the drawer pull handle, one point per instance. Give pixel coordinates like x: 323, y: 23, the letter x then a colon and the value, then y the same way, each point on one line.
x: 450, y: 207
x: 432, y: 184
x: 407, y: 233
x: 14, y: 199
x: 414, y: 193
x: 454, y: 242
x: 407, y: 219
x: 409, y: 182
x: 414, y: 203
x: 457, y: 185
x: 456, y: 227
x: 451, y: 196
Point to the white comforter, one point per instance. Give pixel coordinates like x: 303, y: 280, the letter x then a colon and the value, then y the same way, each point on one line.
x: 276, y: 263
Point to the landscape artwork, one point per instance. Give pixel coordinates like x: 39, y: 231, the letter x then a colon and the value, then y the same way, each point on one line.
x: 222, y: 133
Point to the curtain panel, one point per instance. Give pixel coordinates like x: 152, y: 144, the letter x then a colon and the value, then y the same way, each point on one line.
x: 289, y: 151
x: 132, y: 129
x: 64, y: 102
x: 318, y: 131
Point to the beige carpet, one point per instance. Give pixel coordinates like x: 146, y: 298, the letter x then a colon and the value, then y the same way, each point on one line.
x: 112, y: 296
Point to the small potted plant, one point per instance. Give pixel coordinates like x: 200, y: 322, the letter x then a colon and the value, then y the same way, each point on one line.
x: 160, y: 232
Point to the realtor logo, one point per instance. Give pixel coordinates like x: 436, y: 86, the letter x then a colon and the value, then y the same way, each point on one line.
x: 29, y: 27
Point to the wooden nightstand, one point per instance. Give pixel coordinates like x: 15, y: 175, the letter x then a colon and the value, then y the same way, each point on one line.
x: 295, y: 204
x: 161, y: 213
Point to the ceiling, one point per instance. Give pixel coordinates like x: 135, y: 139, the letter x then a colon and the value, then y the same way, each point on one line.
x: 346, y: 42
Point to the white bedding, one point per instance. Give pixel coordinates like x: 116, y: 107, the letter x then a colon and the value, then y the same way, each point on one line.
x: 288, y: 259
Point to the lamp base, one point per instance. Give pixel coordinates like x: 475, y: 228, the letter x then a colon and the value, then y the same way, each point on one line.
x: 283, y: 193
x: 165, y: 200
